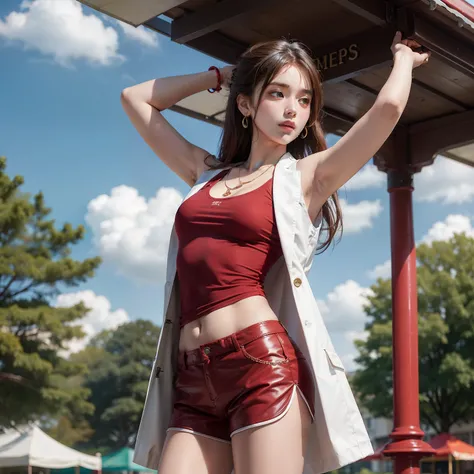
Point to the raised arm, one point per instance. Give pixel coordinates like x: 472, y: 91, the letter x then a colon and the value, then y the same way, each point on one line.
x: 328, y: 170
x: 143, y: 104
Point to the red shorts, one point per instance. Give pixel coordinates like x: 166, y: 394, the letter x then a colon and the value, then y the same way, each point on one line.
x: 241, y: 381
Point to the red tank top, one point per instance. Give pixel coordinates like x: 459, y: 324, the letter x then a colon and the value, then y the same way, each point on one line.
x: 226, y: 248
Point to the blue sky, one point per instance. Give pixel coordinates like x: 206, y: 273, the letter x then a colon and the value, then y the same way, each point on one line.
x: 62, y: 128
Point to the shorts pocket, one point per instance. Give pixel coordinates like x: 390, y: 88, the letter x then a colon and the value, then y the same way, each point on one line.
x: 296, y: 349
x: 266, y: 350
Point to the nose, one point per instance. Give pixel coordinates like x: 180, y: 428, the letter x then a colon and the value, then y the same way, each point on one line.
x: 290, y: 107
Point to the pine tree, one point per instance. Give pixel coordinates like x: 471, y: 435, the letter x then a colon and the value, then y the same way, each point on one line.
x: 35, y: 264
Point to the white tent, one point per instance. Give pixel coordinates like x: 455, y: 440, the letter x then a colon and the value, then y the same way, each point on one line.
x: 29, y: 446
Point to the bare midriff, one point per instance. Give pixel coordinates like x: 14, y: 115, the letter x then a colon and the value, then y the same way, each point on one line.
x: 225, y: 321
x: 226, y: 248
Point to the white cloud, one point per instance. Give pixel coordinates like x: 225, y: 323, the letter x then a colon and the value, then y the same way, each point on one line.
x: 59, y: 28
x: 453, y: 224
x: 446, y: 181
x: 99, y: 317
x: 342, y: 308
x: 441, y: 230
x: 141, y: 34
x: 345, y: 318
x: 368, y: 177
x: 349, y: 362
x: 133, y: 233
x: 359, y: 216
x: 381, y: 271
x: 351, y: 336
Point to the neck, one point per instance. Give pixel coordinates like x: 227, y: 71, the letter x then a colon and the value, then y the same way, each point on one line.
x: 262, y: 154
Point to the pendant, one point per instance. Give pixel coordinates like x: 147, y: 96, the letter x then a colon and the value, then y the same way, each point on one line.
x: 227, y: 193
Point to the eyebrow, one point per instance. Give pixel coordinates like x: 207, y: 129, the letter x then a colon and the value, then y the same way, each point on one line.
x: 286, y: 86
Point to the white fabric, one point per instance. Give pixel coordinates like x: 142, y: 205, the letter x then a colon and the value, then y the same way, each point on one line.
x: 28, y: 445
x: 463, y: 456
x: 338, y: 435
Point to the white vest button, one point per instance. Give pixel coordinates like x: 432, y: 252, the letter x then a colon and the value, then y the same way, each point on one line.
x: 297, y: 282
x: 307, y: 323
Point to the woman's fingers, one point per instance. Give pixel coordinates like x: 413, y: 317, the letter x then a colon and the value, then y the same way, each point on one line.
x: 420, y: 56
x: 397, y: 38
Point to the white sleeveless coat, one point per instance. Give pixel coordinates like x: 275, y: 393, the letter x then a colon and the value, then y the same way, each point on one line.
x: 338, y: 435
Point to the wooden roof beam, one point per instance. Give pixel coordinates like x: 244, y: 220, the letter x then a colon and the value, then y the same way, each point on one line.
x: 211, y: 18
x: 133, y: 12
x: 354, y: 55
x: 159, y: 25
x: 215, y: 44
x: 457, y: 158
x: 371, y: 10
x: 453, y: 51
x: 416, y: 84
x: 336, y: 122
x: 197, y: 115
x: 434, y: 136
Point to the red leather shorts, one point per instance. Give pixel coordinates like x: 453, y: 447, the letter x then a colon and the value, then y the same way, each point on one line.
x: 241, y: 381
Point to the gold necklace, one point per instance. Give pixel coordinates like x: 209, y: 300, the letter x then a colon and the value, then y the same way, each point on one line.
x: 241, y: 183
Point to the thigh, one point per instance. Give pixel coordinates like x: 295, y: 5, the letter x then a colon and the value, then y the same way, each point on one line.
x: 185, y: 453
x: 276, y: 448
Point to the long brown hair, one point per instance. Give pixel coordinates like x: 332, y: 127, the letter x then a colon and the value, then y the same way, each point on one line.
x: 258, y: 66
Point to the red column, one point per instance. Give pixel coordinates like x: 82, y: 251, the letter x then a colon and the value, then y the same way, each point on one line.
x: 407, y: 447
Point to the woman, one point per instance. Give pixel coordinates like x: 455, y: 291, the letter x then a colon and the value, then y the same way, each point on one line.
x: 244, y: 394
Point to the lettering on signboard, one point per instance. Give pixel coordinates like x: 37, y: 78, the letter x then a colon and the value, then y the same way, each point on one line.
x: 338, y: 57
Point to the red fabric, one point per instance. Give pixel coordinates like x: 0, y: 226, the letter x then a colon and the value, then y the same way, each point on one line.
x: 226, y: 248
x: 246, y: 378
x: 446, y: 444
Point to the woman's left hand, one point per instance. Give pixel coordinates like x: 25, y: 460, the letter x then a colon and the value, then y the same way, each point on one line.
x: 406, y: 47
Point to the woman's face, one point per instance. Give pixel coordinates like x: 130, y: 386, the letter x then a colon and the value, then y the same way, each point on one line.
x: 285, y: 106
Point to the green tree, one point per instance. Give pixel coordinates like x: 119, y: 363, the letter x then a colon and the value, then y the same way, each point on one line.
x: 118, y: 381
x: 70, y: 432
x: 35, y: 264
x: 446, y: 337
x: 76, y: 431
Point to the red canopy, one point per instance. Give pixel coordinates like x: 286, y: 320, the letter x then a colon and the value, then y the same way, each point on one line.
x: 446, y: 445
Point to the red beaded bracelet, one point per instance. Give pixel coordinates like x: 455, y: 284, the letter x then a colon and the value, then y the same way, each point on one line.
x: 219, y: 80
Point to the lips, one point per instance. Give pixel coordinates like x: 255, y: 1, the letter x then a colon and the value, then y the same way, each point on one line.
x: 287, y: 125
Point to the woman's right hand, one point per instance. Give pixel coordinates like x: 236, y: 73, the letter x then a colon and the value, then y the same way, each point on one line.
x: 409, y: 48
x: 226, y: 75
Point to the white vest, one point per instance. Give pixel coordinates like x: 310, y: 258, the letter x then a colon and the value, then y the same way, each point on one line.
x: 338, y: 435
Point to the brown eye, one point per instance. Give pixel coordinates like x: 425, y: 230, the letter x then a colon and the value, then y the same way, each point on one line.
x: 272, y: 93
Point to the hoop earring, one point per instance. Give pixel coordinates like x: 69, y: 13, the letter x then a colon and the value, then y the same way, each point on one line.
x: 304, y: 134
x: 245, y: 122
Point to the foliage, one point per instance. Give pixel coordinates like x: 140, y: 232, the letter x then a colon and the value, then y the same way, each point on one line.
x: 34, y: 263
x: 446, y: 337
x: 118, y: 381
